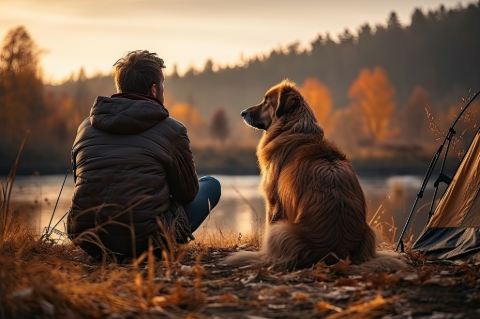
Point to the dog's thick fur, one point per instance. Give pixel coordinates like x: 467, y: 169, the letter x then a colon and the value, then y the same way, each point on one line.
x: 314, y: 202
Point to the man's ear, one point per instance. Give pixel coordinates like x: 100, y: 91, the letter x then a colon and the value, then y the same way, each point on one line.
x: 286, y: 101
x: 153, y: 90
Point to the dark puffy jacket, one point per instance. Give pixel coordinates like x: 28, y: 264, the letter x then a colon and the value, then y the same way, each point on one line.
x: 129, y: 156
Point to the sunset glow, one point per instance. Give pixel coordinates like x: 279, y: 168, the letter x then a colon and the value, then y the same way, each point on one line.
x: 94, y: 34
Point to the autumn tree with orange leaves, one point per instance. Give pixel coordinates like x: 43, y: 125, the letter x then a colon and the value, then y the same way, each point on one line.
x: 187, y: 114
x: 21, y: 88
x: 372, y: 99
x: 319, y: 98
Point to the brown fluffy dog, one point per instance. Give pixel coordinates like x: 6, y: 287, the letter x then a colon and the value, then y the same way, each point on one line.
x: 314, y: 202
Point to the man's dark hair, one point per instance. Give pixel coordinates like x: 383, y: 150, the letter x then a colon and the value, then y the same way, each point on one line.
x: 137, y: 71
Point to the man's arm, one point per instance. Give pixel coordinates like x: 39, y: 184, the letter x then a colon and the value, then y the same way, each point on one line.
x: 74, y: 166
x: 181, y: 175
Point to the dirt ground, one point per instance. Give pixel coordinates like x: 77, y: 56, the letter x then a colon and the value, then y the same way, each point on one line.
x: 424, y: 290
x: 65, y: 283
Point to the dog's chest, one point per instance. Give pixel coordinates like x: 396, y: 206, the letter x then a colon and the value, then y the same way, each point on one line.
x: 269, y: 180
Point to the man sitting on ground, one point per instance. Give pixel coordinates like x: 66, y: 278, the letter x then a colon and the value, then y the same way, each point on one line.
x: 133, y: 168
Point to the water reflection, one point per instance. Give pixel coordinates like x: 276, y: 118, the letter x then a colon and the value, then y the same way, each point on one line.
x: 241, y: 208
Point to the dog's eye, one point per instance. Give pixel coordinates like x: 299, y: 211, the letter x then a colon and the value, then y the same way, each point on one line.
x: 266, y: 102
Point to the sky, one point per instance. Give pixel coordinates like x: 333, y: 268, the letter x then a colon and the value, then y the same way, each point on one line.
x: 95, y: 34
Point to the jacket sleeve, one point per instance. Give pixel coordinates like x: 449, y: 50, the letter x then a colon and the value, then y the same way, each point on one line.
x: 74, y: 166
x: 75, y: 145
x: 74, y: 160
x: 182, y: 176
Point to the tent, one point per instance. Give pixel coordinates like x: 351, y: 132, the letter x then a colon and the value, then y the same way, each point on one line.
x: 453, y: 229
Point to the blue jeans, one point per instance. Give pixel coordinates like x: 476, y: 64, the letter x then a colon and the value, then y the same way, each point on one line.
x: 198, y: 210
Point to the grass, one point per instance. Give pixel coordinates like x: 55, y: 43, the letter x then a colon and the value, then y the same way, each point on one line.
x: 41, y: 276
x: 46, y: 278
x: 57, y: 280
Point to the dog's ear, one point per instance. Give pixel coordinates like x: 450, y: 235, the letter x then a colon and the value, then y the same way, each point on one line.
x: 285, y: 102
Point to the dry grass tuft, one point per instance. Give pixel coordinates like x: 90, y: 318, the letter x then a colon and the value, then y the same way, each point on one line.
x: 226, y: 240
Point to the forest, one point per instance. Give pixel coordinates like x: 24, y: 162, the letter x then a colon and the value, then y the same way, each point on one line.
x: 385, y: 94
x: 377, y: 92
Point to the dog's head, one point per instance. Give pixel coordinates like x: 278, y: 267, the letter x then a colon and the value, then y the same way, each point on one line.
x: 281, y: 100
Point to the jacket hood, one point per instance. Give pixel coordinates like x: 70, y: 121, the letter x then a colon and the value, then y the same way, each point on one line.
x: 126, y: 113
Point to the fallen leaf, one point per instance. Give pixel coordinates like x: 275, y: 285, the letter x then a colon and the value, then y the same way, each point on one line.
x: 345, y: 282
x: 323, y: 305
x: 320, y: 276
x: 382, y: 280
x: 379, y: 301
x: 300, y: 296
x: 340, y: 268
x: 376, y: 304
x: 228, y: 297
x: 283, y: 290
x: 321, y: 266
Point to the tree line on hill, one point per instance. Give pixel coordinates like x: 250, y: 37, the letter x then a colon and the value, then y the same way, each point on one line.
x: 437, y: 51
x: 370, y: 91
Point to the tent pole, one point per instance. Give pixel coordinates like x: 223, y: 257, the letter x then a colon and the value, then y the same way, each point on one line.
x: 430, y: 170
x: 420, y: 192
x: 441, y: 177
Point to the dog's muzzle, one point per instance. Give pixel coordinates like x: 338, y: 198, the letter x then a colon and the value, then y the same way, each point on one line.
x: 251, y: 121
x: 247, y: 117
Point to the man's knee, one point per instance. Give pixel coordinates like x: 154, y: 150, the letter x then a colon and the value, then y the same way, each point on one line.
x: 212, y: 182
x: 214, y: 188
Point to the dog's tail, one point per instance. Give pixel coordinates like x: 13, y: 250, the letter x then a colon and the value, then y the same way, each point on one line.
x: 383, y: 261
x: 282, y: 245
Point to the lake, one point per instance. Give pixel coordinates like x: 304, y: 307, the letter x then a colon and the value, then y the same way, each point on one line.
x: 240, y: 206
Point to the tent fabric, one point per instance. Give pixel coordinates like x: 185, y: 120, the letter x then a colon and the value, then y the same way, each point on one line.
x: 451, y: 243
x: 473, y: 216
x: 453, y: 233
x: 454, y: 205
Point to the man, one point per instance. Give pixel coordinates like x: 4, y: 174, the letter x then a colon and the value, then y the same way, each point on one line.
x: 134, y: 173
